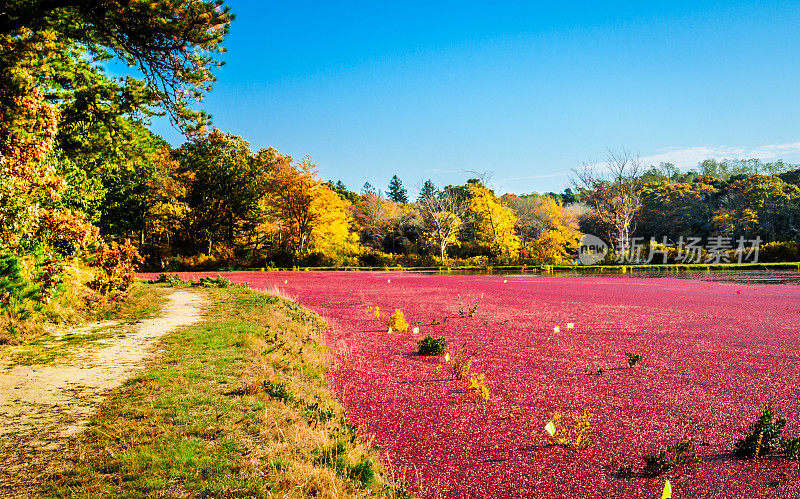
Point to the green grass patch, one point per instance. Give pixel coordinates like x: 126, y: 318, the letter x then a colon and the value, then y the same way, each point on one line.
x: 142, y: 302
x: 47, y: 349
x: 237, y: 406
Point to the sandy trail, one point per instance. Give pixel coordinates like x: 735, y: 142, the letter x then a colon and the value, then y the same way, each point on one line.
x: 43, y: 406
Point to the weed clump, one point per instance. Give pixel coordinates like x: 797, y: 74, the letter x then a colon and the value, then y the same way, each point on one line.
x: 589, y: 371
x: 432, y: 346
x: 396, y: 321
x: 278, y: 391
x: 472, y: 308
x: 676, y: 455
x: 460, y: 363
x: 218, y: 282
x: 633, y: 359
x: 172, y: 280
x: 478, y: 385
x: 574, y: 438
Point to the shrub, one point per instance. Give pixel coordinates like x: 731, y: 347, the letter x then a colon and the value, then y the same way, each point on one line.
x: 115, y: 264
x: 171, y: 279
x: 633, y: 358
x: 791, y: 447
x: 574, y: 438
x: 19, y: 298
x: 397, y: 322
x: 478, y: 385
x: 764, y: 437
x: 778, y: 251
x: 217, y: 282
x: 278, y: 391
x: 677, y: 454
x: 432, y: 346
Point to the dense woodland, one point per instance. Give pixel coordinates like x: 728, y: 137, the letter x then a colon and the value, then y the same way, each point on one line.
x: 84, y: 180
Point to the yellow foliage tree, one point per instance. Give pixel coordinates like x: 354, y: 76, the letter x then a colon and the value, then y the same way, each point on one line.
x: 551, y: 234
x: 496, y: 223
x: 306, y: 213
x: 332, y: 231
x: 166, y: 195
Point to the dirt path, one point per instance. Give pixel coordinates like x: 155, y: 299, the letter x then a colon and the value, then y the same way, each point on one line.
x: 43, y: 406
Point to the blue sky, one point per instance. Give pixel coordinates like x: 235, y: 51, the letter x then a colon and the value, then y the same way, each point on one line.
x: 524, y: 90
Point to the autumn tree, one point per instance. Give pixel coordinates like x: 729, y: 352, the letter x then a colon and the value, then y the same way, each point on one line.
x: 496, y: 222
x: 613, y: 192
x: 308, y: 215
x: 332, y: 233
x: 167, y: 207
x: 676, y: 209
x: 376, y: 218
x: 764, y: 201
x: 443, y: 213
x: 227, y: 185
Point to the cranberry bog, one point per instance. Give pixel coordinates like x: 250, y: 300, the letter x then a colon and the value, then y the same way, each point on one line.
x: 714, y: 353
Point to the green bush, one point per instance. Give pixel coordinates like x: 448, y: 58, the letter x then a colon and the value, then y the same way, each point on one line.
x: 677, y: 454
x: 19, y: 298
x: 764, y: 437
x: 432, y: 346
x: 217, y: 282
x: 278, y: 391
x: 791, y: 447
x: 779, y: 251
x: 633, y: 358
x: 171, y: 279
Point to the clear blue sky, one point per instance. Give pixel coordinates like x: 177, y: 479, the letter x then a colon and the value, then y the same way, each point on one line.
x: 527, y: 91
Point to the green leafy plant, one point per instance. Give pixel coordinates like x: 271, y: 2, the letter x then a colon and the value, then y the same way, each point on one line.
x: 764, y: 437
x: 472, y: 308
x: 633, y: 359
x: 791, y: 447
x: 677, y: 454
x: 19, y: 298
x: 575, y: 437
x: 432, y: 346
x: 599, y: 371
x: 278, y: 391
x: 171, y: 279
x: 218, y: 282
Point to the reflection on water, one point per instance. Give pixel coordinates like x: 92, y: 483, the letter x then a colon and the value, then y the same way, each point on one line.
x: 741, y: 276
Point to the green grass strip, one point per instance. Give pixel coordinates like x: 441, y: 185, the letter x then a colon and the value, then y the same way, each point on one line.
x: 238, y: 406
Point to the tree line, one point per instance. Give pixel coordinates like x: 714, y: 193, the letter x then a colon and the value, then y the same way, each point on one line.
x: 83, y: 176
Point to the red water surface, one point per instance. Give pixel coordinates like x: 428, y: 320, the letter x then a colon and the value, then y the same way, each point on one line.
x: 715, y: 352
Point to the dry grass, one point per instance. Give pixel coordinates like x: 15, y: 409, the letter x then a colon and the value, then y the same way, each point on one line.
x: 238, y: 406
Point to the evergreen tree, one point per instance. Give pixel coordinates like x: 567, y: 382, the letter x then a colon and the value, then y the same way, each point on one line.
x: 397, y: 192
x: 428, y: 191
x: 367, y: 189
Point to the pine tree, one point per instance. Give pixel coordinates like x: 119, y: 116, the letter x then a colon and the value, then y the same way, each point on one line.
x: 367, y: 189
x: 397, y: 192
x: 428, y: 191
